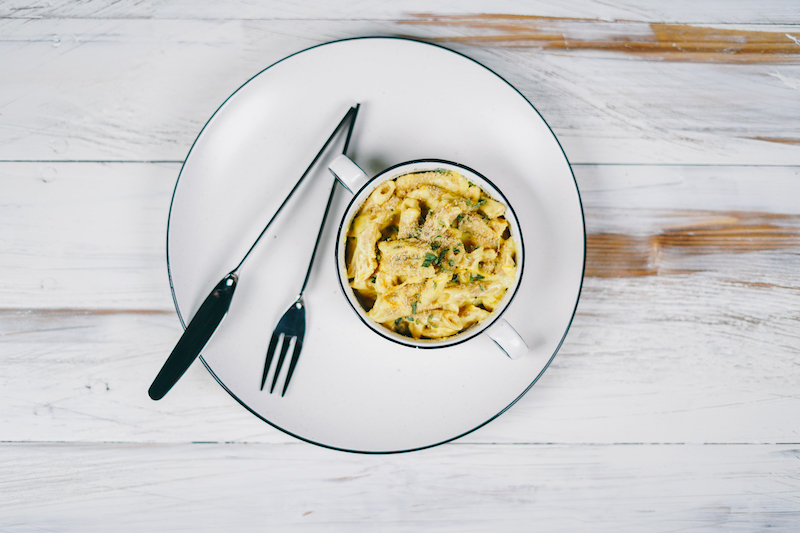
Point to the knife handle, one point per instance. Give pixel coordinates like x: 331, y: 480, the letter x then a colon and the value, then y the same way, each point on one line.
x: 196, y: 336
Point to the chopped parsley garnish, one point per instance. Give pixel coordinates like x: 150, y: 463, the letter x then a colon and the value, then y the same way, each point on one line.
x: 455, y: 278
x: 470, y: 183
x: 435, y: 245
x: 429, y: 259
x: 451, y: 262
x: 474, y: 277
x: 373, y: 278
x: 414, y: 307
x: 433, y: 259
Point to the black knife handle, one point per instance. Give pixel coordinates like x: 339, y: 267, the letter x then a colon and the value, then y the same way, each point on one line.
x: 196, y: 336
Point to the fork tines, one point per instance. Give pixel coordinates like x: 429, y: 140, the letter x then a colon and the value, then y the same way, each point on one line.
x: 287, y: 340
x: 290, y: 328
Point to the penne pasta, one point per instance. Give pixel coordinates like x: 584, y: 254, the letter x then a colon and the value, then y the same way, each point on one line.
x: 430, y: 254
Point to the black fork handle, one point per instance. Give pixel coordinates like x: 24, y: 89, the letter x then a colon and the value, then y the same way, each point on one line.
x: 200, y: 329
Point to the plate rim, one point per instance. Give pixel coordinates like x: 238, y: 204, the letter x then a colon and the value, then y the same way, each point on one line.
x: 555, y: 351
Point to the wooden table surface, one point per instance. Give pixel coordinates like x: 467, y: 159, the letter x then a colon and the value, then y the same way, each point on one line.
x: 673, y: 405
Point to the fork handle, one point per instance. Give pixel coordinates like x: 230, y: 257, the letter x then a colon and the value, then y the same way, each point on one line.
x: 328, y: 206
x: 196, y: 336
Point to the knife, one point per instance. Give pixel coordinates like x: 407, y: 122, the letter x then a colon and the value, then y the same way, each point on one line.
x: 214, y: 308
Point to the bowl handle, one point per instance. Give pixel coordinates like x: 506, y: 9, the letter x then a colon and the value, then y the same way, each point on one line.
x: 507, y: 338
x: 348, y: 173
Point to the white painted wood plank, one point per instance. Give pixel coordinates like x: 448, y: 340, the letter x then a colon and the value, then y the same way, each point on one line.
x: 111, y: 89
x: 85, y: 236
x: 649, y: 11
x: 666, y: 357
x: 703, y: 357
x: 654, y: 356
x: 637, y: 189
x: 686, y: 359
x: 93, y: 235
x: 690, y: 360
x: 84, y: 377
x: 465, y: 488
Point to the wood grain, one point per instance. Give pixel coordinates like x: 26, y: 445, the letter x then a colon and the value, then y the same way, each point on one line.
x: 452, y: 488
x: 86, y: 236
x: 672, y: 405
x: 643, y: 220
x: 143, y: 94
x: 710, y: 233
x: 654, y: 41
x: 682, y: 11
x: 700, y: 349
x: 688, y: 359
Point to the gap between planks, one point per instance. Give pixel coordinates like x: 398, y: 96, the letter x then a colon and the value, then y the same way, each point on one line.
x: 447, y: 444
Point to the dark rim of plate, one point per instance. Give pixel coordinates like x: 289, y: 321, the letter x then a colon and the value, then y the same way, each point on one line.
x: 546, y: 366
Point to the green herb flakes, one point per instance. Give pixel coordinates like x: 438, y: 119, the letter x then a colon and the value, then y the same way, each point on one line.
x: 429, y: 259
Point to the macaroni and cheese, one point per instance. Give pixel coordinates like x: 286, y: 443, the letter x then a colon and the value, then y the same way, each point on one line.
x: 430, y: 254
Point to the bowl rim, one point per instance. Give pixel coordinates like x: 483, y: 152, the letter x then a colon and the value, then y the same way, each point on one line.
x: 359, y: 197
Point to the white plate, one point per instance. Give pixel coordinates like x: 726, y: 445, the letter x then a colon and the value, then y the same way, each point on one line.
x: 352, y: 389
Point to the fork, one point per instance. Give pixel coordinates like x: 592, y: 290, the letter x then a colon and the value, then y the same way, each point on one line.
x: 292, y: 324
